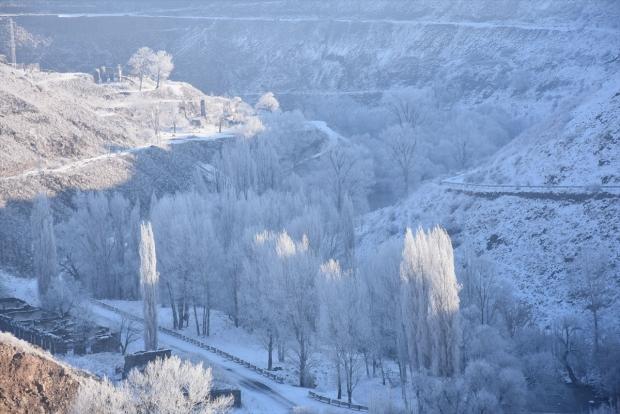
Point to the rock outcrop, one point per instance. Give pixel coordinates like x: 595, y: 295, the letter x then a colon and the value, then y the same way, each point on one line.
x: 31, y: 381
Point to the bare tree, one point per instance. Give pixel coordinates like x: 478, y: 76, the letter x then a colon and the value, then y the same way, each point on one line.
x: 154, y: 120
x: 346, y: 175
x: 590, y: 285
x: 462, y: 152
x: 404, y: 111
x: 401, y: 144
x: 480, y: 287
x: 566, y: 331
x: 129, y: 332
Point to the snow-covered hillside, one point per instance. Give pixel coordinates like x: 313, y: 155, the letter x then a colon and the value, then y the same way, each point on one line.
x: 578, y: 148
x: 537, y: 239
x: 522, y: 57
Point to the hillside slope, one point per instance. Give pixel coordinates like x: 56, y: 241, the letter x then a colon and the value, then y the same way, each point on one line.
x: 48, y: 119
x: 521, y: 56
x: 536, y: 240
x: 579, y: 148
x: 32, y: 381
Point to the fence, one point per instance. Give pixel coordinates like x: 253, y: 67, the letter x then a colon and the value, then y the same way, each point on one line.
x: 261, y: 371
x: 336, y: 403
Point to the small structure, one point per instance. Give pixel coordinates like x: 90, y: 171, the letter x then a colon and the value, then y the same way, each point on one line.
x: 54, y: 333
x: 104, y: 74
x: 225, y: 392
x: 139, y: 360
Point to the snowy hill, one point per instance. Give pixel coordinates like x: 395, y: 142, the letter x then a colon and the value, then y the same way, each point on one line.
x: 536, y: 238
x: 580, y: 148
x: 522, y: 57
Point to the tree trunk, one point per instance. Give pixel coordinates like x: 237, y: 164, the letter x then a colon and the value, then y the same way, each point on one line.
x: 158, y: 76
x: 236, y: 302
x: 141, y: 76
x: 196, y: 319
x: 270, y: 353
x: 339, y: 379
x: 595, y: 316
x: 280, y: 352
x: 206, y: 320
x: 175, y: 318
x: 302, y: 362
x: 382, y: 372
x: 349, y: 371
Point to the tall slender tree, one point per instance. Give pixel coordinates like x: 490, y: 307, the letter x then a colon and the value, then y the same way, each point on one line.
x: 430, y: 303
x: 43, y: 244
x: 149, y: 280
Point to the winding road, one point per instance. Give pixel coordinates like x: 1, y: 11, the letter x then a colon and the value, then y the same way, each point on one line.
x: 260, y: 394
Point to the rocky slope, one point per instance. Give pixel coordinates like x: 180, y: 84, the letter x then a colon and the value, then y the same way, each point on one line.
x: 32, y: 381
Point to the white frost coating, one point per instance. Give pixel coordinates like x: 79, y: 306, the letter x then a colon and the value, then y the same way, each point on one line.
x: 149, y: 278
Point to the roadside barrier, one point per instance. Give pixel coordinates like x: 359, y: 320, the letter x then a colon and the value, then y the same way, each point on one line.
x: 261, y: 371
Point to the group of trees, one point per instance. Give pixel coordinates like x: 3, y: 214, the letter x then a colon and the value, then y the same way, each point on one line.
x: 155, y: 65
x: 266, y: 235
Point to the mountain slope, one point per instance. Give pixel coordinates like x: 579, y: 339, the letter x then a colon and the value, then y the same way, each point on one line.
x: 536, y: 240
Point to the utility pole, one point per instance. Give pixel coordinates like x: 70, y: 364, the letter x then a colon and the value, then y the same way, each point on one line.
x: 12, y: 42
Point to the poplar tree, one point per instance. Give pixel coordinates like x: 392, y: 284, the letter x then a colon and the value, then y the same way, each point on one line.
x: 430, y: 302
x: 148, y: 281
x: 43, y: 244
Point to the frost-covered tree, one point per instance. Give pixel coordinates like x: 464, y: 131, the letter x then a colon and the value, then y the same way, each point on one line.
x: 430, y: 302
x: 45, y: 265
x: 142, y: 63
x: 401, y: 145
x: 480, y: 287
x: 172, y: 385
x: 590, y: 285
x: 14, y: 37
x: 103, y: 397
x: 344, y: 321
x: 261, y: 292
x: 63, y: 295
x: 347, y: 174
x: 161, y: 67
x: 381, y: 272
x: 238, y: 168
x: 99, y: 245
x: 268, y: 102
x: 154, y: 119
x: 149, y: 279
x: 299, y: 273
x: 166, y: 386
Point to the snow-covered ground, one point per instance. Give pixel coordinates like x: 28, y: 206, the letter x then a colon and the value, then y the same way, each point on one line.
x: 259, y: 394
